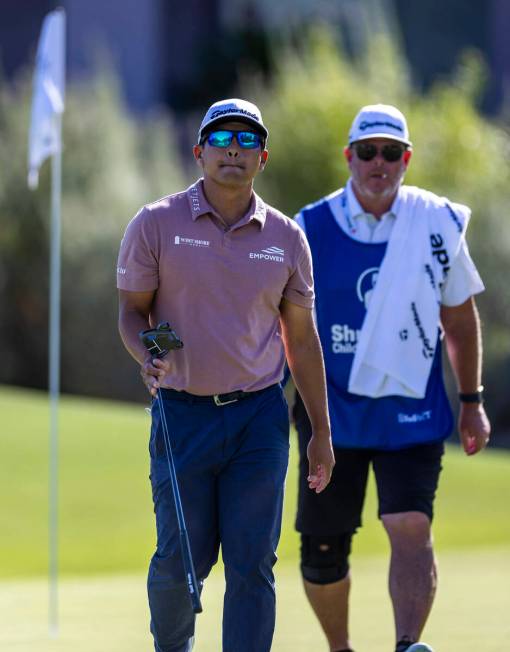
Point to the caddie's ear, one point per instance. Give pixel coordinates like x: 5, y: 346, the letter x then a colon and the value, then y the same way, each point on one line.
x: 348, y: 153
x: 407, y: 156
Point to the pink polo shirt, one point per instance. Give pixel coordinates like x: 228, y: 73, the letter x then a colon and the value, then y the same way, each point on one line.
x: 220, y: 289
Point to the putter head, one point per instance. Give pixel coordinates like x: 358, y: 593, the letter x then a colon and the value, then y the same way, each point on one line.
x: 159, y: 341
x: 419, y: 647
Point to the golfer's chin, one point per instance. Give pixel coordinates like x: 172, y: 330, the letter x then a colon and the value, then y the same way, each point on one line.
x: 232, y: 174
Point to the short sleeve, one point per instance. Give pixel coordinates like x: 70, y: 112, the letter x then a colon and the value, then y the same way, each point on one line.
x: 137, y: 266
x: 300, y: 221
x: 299, y: 288
x: 463, y: 280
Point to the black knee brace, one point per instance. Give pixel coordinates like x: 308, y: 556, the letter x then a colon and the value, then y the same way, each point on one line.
x: 325, y: 560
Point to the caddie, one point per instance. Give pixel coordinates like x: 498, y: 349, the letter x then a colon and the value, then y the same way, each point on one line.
x: 393, y: 281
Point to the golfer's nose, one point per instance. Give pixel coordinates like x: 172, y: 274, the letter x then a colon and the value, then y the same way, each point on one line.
x: 232, y: 150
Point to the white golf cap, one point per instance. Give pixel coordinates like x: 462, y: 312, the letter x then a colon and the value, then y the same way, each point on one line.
x: 379, y: 121
x: 234, y: 110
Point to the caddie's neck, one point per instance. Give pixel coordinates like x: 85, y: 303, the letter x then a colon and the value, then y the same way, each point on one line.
x: 230, y: 202
x: 375, y: 203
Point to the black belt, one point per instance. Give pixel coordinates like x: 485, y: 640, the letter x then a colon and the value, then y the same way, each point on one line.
x: 217, y: 399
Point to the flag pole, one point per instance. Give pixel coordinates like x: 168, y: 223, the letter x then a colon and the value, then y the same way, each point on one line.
x: 54, y: 380
x: 45, y: 141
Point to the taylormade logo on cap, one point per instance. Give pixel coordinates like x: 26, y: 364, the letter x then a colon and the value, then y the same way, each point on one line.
x: 236, y: 110
x: 219, y: 112
x: 379, y: 121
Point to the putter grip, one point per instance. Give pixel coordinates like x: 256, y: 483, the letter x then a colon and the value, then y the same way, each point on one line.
x: 159, y: 341
x: 191, y: 579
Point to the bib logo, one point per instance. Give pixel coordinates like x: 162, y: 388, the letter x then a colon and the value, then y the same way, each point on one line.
x: 366, y: 284
x: 426, y: 415
x: 343, y: 338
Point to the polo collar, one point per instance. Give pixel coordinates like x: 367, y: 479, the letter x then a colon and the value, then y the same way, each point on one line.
x: 200, y: 206
x: 260, y: 211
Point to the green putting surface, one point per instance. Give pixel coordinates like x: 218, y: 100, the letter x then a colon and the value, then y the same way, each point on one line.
x: 106, y: 538
x: 109, y: 613
x: 105, y: 509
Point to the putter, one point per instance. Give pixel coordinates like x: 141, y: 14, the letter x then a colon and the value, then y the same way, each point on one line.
x: 159, y: 341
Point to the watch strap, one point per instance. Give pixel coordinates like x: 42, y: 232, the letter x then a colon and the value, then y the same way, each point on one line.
x: 473, y: 397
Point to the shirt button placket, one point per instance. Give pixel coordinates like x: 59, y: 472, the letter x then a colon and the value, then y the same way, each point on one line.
x: 226, y: 240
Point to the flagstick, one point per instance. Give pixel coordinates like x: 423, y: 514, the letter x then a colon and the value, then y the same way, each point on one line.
x: 45, y: 140
x: 54, y: 382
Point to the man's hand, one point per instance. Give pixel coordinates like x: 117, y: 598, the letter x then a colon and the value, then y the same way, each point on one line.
x: 474, y: 427
x: 321, y: 462
x: 464, y: 344
x: 304, y: 357
x: 152, y: 371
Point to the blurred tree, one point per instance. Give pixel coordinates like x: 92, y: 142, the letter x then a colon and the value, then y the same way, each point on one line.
x: 112, y: 166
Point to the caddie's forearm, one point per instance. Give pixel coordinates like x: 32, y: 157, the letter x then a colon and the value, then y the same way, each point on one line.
x: 307, y: 367
x: 464, y: 346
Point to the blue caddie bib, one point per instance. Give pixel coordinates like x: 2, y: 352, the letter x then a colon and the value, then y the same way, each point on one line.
x: 345, y: 272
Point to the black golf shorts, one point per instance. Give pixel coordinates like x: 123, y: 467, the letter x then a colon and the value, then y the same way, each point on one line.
x: 406, y: 481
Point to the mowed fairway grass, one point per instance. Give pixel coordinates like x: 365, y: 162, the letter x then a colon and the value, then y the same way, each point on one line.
x: 107, y: 536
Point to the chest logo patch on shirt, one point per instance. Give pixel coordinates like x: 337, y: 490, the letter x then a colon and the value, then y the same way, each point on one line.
x: 270, y: 253
x: 191, y: 242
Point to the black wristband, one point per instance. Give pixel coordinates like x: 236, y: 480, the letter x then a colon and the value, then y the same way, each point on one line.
x: 475, y: 397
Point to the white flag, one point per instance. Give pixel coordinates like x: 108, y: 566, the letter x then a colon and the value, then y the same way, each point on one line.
x: 48, y: 94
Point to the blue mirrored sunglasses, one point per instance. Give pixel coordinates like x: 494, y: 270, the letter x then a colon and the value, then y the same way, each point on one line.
x: 223, y: 138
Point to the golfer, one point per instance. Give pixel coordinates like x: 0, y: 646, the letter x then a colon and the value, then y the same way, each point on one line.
x: 233, y: 277
x: 392, y: 276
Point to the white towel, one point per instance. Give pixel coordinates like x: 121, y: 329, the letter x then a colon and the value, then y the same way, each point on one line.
x: 398, y: 338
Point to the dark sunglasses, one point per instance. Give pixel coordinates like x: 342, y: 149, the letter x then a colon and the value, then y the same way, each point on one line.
x: 224, y: 137
x: 390, y: 153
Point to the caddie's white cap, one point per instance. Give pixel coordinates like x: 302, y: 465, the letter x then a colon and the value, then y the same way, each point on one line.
x: 379, y: 121
x: 232, y: 110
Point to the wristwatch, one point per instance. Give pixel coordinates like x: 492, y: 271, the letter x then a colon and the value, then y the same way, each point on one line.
x: 475, y: 397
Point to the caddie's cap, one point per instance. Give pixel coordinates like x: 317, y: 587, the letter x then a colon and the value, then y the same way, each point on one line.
x: 379, y: 121
x: 232, y: 110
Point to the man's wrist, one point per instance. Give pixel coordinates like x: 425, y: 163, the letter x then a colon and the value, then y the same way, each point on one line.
x: 324, y: 432
x: 472, y: 397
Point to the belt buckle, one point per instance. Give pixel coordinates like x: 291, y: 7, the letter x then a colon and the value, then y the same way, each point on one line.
x: 220, y: 403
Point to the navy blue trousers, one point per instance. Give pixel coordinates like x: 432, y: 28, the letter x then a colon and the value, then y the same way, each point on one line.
x: 231, y: 463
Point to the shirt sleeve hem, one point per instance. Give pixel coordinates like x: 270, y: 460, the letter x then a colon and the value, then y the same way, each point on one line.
x: 471, y: 292
x: 299, y: 300
x: 136, y: 288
